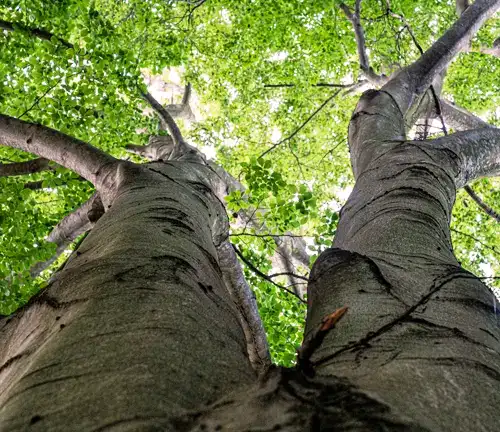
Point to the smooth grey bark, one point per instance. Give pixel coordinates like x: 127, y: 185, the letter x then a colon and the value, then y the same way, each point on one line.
x: 160, y: 148
x: 91, y: 163
x: 244, y: 299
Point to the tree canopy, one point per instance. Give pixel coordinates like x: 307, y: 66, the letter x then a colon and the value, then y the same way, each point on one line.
x: 273, y: 85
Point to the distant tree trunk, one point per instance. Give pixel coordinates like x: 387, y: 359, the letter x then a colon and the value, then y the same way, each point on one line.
x: 138, y: 331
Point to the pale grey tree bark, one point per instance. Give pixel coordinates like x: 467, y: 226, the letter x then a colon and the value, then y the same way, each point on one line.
x: 139, y: 332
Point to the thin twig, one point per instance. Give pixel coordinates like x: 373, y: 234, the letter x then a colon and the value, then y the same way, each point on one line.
x: 296, y: 131
x: 264, y: 235
x: 38, y: 99
x: 487, y: 209
x: 312, y: 85
x: 492, y: 248
x: 295, y: 275
x: 263, y: 275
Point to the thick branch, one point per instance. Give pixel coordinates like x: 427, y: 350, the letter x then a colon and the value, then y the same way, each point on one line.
x: 35, y: 32
x: 169, y: 121
x: 462, y: 5
x: 383, y: 115
x: 66, y: 231
x: 478, y: 151
x: 459, y: 118
x: 158, y: 148
x: 416, y: 78
x: 244, y: 299
x: 182, y: 110
x: 78, y: 156
x: 23, y: 168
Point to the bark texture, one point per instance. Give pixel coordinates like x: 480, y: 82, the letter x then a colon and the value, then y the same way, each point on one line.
x: 138, y: 326
x: 139, y: 331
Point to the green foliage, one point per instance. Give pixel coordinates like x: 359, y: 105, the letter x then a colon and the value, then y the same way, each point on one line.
x: 231, y: 52
x: 276, y: 305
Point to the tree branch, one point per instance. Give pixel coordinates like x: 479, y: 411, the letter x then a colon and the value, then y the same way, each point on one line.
x: 461, y: 119
x: 295, y: 275
x: 461, y: 5
x: 312, y: 85
x: 296, y: 131
x: 478, y: 151
x: 359, y: 34
x: 169, y: 121
x: 91, y: 163
x: 417, y: 77
x: 487, y: 209
x: 24, y: 168
x: 34, y: 32
x: 182, y: 110
x: 476, y: 240
x: 263, y: 275
x: 66, y: 231
x: 244, y: 299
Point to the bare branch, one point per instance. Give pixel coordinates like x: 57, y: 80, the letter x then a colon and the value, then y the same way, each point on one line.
x: 164, y: 115
x: 494, y: 51
x: 244, y: 299
x: 74, y: 154
x: 487, y: 209
x: 461, y: 6
x: 459, y: 118
x: 34, y: 185
x: 383, y: 115
x: 187, y: 94
x: 476, y: 240
x: 364, y: 62
x: 296, y: 131
x: 295, y: 275
x: 265, y: 235
x: 312, y: 85
x: 478, y: 151
x: 159, y: 147
x: 263, y: 275
x: 417, y: 77
x: 72, y: 226
x: 24, y: 168
x: 182, y: 110
x: 35, y: 32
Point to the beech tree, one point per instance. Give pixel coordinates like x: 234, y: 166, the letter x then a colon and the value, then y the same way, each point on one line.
x: 151, y: 325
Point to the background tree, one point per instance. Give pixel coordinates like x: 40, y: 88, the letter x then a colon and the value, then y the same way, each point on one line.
x: 139, y: 195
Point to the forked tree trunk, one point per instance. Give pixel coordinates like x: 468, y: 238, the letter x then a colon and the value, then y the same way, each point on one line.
x: 138, y: 331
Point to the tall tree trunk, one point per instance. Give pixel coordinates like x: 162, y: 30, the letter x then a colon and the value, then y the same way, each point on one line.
x: 138, y: 326
x: 138, y: 331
